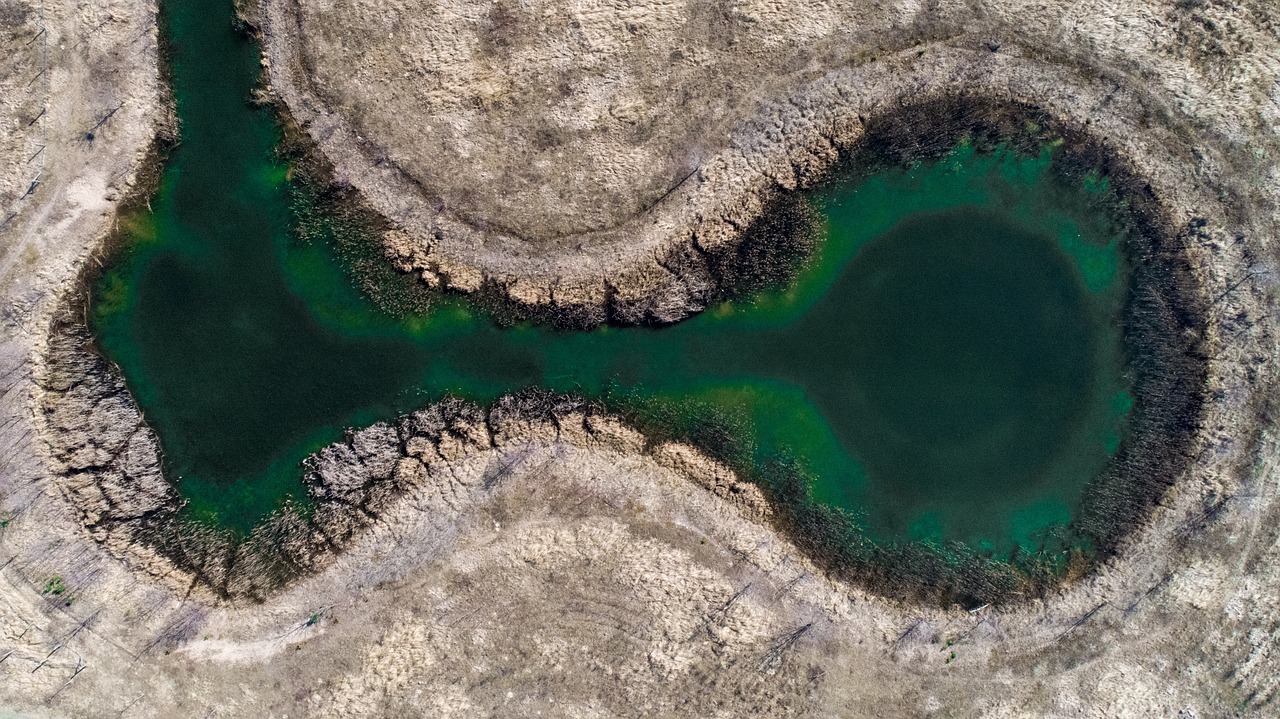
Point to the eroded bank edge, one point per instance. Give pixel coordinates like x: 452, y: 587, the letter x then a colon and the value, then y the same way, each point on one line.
x: 1165, y: 324
x: 226, y: 570
x: 653, y: 268
x: 110, y: 469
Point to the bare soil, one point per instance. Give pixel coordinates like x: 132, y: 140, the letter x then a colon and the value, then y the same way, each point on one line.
x: 571, y: 570
x: 588, y: 156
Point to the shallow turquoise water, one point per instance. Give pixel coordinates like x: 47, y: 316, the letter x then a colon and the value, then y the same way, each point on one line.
x: 948, y: 366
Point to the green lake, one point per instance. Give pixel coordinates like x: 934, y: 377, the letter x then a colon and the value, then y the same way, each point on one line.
x: 949, y: 365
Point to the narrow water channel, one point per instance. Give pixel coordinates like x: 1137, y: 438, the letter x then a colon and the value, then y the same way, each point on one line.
x: 949, y: 365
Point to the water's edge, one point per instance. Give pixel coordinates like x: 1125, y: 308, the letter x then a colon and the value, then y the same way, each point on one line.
x: 238, y: 567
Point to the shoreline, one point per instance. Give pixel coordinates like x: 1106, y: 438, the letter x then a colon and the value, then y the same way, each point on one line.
x: 1204, y: 557
x: 288, y: 545
x: 150, y: 529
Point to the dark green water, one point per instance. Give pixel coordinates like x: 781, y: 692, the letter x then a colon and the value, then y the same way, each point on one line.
x: 950, y: 365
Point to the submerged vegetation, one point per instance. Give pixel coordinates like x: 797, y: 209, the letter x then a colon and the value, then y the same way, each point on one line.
x: 1163, y: 321
x: 255, y: 322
